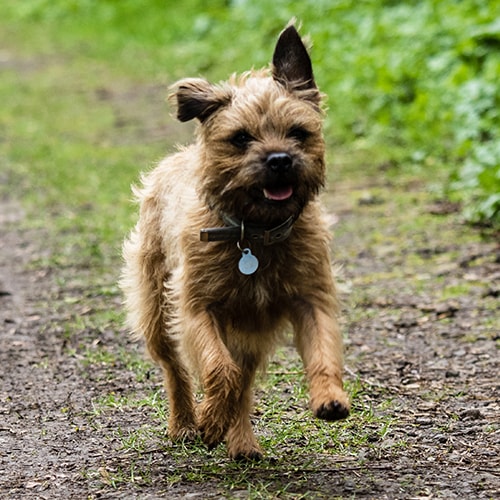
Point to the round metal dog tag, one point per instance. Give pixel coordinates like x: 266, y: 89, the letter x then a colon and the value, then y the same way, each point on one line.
x: 248, y: 263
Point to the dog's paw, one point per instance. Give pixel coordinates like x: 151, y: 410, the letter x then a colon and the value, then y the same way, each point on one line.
x: 181, y: 434
x: 244, y: 450
x: 212, y: 426
x: 250, y: 455
x: 182, y: 426
x: 333, y: 410
x: 330, y: 402
x: 211, y: 435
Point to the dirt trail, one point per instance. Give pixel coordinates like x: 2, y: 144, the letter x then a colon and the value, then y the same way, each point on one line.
x: 37, y: 379
x: 431, y: 354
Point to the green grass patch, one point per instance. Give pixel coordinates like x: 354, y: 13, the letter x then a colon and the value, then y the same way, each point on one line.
x: 297, y: 446
x: 282, y: 420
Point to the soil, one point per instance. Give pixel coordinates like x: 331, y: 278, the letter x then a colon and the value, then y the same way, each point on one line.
x: 433, y: 356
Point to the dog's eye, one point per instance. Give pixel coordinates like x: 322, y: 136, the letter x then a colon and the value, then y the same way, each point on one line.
x: 241, y: 139
x: 298, y: 133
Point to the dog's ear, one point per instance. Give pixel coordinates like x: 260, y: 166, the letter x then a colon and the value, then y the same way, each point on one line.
x: 291, y: 62
x: 197, y: 98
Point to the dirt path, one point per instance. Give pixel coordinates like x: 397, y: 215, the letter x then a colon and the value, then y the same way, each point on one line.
x: 423, y: 335
x: 37, y: 442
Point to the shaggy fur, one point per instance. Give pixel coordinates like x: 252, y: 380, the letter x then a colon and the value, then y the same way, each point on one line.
x: 258, y: 159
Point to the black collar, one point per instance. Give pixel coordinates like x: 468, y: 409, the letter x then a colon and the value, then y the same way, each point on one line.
x: 237, y: 230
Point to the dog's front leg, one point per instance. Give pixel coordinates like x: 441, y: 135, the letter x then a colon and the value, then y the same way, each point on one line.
x: 319, y: 342
x: 220, y: 377
x: 241, y: 441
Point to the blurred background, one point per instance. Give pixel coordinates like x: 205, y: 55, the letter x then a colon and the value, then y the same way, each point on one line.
x: 411, y: 86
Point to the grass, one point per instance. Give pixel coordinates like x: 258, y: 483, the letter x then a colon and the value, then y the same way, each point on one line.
x: 296, y: 445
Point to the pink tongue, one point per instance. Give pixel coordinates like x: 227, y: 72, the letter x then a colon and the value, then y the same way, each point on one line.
x: 278, y: 194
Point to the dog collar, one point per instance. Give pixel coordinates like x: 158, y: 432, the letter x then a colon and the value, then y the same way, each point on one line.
x: 239, y: 231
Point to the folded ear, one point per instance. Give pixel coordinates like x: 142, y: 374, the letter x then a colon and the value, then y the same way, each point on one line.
x: 291, y: 62
x: 197, y: 98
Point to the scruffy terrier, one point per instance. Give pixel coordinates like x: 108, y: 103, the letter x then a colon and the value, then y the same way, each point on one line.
x: 230, y: 248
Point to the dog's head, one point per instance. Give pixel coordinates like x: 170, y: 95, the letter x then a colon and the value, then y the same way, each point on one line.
x: 260, y: 136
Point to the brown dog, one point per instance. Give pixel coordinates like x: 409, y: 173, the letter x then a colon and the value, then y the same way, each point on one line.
x: 230, y: 248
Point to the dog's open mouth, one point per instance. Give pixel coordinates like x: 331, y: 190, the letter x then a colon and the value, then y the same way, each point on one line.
x: 279, y: 193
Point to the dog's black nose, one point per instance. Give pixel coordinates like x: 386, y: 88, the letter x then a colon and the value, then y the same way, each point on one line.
x: 279, y: 162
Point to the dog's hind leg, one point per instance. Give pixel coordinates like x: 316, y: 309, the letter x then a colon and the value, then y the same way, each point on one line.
x: 143, y: 281
x: 182, y: 421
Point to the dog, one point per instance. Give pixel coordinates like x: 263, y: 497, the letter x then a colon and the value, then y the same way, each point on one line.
x: 231, y: 249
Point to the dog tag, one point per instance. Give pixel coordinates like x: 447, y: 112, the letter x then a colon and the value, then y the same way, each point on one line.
x: 248, y: 263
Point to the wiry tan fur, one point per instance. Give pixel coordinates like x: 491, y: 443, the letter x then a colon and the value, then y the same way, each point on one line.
x: 199, y: 315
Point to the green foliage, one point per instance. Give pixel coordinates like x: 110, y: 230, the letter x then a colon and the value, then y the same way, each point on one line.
x: 417, y: 80
x: 477, y: 182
